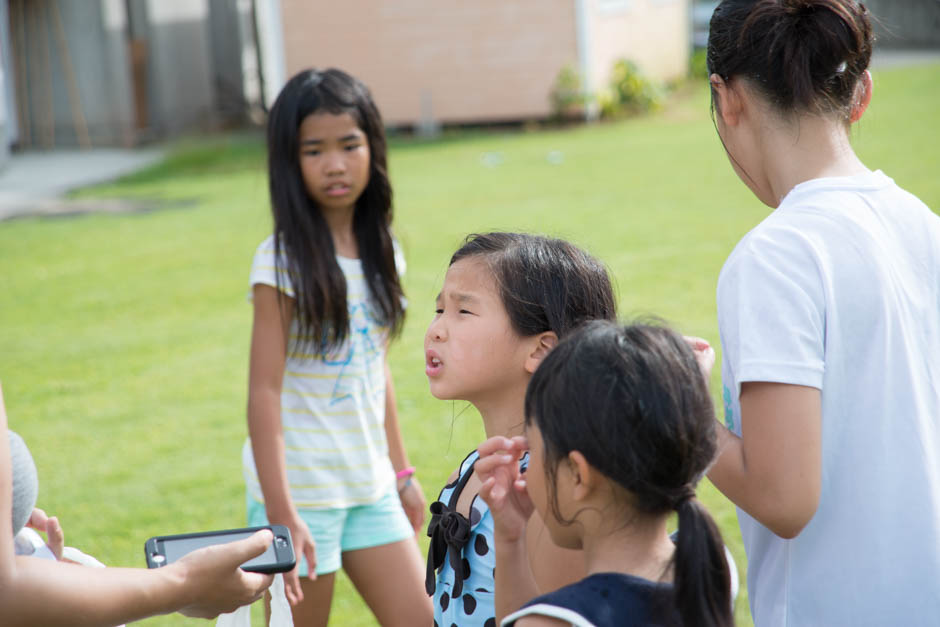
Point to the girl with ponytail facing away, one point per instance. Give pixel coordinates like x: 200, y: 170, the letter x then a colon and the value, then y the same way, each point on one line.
x: 829, y: 314
x: 620, y: 427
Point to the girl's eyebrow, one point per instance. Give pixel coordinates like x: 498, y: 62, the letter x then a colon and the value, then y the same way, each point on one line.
x: 344, y: 138
x: 460, y: 297
x: 463, y: 297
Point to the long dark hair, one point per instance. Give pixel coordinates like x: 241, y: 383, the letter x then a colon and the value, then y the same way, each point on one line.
x: 633, y: 401
x: 803, y: 56
x: 303, y: 242
x: 545, y: 284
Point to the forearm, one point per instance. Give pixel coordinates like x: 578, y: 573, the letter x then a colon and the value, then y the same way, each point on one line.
x: 396, y: 443
x: 42, y: 592
x: 746, y: 489
x: 773, y: 472
x: 729, y: 473
x: 515, y: 582
x: 267, y: 446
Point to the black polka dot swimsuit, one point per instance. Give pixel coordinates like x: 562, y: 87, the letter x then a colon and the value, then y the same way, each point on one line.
x: 473, y: 586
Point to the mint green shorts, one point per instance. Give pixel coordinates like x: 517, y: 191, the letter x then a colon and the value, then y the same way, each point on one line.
x: 336, y: 531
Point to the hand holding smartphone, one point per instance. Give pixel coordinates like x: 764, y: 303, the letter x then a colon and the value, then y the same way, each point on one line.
x: 278, y: 558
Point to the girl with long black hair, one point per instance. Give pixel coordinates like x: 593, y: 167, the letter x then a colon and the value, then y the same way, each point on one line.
x: 325, y: 455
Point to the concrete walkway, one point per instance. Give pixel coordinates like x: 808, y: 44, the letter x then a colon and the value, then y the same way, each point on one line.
x: 35, y: 182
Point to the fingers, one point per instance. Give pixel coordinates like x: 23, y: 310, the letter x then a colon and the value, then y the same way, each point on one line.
x: 704, y: 354
x: 495, y: 445
x: 257, y: 583
x: 49, y: 525
x: 487, y: 465
x: 486, y: 492
x: 493, y: 492
x: 304, y: 547
x: 55, y: 537
x: 697, y: 343
x: 292, y: 586
x: 37, y: 520
x: 243, y: 550
x: 214, y: 579
x: 310, y: 553
x: 500, y: 445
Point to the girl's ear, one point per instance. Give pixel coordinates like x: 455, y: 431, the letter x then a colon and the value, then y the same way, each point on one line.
x: 728, y: 103
x: 864, y: 89
x: 544, y: 343
x: 583, y: 476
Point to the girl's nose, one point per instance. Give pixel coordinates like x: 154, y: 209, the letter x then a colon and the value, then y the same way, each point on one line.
x: 335, y: 164
x: 436, y: 331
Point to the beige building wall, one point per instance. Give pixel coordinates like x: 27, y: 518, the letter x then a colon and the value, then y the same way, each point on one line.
x: 654, y: 34
x: 450, y: 60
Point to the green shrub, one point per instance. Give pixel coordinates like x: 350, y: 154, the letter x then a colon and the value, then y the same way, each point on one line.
x: 567, y: 95
x: 629, y: 92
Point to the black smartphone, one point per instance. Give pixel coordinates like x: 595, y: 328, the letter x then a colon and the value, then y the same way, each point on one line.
x: 278, y: 558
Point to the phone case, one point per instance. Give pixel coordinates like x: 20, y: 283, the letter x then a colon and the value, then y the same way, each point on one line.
x: 162, y: 550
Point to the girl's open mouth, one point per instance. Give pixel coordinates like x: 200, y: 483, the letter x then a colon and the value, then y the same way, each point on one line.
x: 433, y: 364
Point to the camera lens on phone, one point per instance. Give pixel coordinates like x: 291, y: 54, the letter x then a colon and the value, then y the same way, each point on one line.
x: 280, y: 541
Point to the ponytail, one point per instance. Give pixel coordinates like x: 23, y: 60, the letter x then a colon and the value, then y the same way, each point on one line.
x: 634, y: 402
x: 701, y: 577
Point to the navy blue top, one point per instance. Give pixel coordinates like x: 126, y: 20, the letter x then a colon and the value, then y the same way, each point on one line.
x: 606, y: 599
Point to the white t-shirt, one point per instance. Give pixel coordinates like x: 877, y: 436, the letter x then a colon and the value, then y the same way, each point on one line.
x: 839, y: 289
x: 332, y: 406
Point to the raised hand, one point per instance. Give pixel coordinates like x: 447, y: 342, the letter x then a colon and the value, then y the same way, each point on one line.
x: 504, y: 488
x: 49, y: 525
x: 704, y: 354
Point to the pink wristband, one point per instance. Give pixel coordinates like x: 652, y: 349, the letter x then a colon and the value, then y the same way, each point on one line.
x: 405, y: 472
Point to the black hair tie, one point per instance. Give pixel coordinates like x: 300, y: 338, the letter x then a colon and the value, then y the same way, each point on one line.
x: 686, y: 495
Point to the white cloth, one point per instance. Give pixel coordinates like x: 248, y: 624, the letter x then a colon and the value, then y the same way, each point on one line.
x: 839, y: 289
x: 280, y: 610
x: 332, y: 406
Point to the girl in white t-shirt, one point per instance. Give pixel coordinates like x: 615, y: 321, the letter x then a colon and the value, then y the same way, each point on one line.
x: 828, y: 313
x: 325, y: 455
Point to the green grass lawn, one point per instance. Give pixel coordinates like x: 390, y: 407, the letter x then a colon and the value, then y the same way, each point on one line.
x: 124, y: 338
